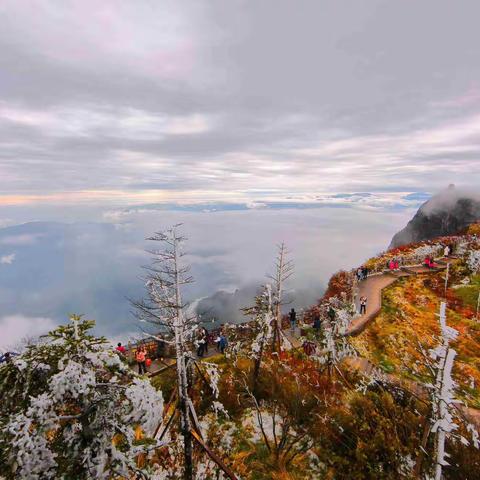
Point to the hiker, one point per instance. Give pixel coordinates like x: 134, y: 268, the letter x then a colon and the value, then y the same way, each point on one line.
x: 364, y: 272
x: 293, y: 319
x: 141, y: 358
x: 391, y: 265
x: 205, y: 337
x: 222, y: 344
x: 359, y: 274
x: 396, y: 265
x: 200, y: 343
x: 161, y: 347
x: 363, y: 305
x: 317, y: 324
x: 446, y: 251
x: 6, y: 357
x: 120, y: 348
x: 429, y: 263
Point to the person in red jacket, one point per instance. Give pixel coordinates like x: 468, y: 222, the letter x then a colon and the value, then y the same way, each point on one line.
x: 141, y: 358
x: 120, y: 348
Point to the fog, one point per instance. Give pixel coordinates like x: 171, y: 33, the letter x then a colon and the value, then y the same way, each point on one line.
x: 55, y: 269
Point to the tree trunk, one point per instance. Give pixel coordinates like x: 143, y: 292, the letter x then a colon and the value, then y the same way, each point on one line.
x: 182, y: 379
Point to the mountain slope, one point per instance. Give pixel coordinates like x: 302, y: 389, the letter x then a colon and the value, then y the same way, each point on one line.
x: 446, y: 213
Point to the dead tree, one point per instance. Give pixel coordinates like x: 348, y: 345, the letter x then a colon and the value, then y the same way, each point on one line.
x: 283, y: 271
x: 164, y: 308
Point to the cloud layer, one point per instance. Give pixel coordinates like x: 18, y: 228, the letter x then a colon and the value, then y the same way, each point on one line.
x: 92, y: 268
x: 192, y: 101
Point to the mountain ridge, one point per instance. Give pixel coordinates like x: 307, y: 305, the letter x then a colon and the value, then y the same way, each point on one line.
x: 447, y: 213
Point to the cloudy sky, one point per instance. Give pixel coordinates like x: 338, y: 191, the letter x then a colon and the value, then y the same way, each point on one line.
x: 156, y: 101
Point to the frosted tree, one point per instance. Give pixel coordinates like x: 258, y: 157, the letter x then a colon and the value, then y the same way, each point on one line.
x: 444, y: 420
x: 443, y: 391
x: 260, y: 331
x: 283, y: 271
x: 335, y: 344
x: 473, y: 261
x: 71, y: 408
x: 164, y: 308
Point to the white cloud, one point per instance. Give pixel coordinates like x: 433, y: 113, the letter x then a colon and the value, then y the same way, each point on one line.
x: 88, y: 121
x: 23, y: 239
x: 7, y: 259
x: 16, y: 328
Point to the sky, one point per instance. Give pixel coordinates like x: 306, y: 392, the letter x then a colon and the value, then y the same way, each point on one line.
x: 321, y: 123
x: 175, y: 101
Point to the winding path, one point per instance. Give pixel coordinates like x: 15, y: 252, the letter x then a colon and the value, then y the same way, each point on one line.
x: 372, y: 289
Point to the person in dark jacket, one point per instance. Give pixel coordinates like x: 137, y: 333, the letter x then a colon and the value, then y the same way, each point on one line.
x: 317, y: 323
x: 205, y: 337
x: 364, y: 272
x: 363, y: 305
x: 293, y: 318
x: 222, y: 343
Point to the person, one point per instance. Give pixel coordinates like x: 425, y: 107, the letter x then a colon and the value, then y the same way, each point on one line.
x: 200, y: 343
x: 446, y: 251
x: 331, y: 313
x: 120, y: 348
x: 161, y: 347
x: 293, y: 318
x: 359, y: 273
x: 141, y: 358
x: 391, y: 265
x: 396, y: 265
x: 222, y: 343
x: 429, y: 263
x: 205, y: 337
x: 426, y: 262
x: 6, y: 357
x: 363, y: 305
x: 364, y: 272
x: 317, y: 323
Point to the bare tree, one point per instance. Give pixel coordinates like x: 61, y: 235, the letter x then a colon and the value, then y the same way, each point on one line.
x: 164, y: 308
x: 283, y: 271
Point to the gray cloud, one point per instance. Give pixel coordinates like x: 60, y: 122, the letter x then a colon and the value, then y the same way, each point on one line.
x: 222, y: 98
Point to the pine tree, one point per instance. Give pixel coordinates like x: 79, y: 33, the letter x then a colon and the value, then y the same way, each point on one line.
x: 71, y: 408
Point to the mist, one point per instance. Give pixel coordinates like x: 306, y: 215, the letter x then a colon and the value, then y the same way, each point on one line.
x: 56, y: 269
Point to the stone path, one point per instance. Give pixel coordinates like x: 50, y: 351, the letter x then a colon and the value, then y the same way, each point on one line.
x: 373, y: 286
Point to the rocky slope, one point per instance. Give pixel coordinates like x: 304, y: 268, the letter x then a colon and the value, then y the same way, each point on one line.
x: 446, y: 213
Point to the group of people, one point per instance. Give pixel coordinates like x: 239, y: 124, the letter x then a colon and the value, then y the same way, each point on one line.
x: 429, y: 262
x: 203, y: 339
x: 393, y: 265
x: 140, y: 356
x: 362, y: 273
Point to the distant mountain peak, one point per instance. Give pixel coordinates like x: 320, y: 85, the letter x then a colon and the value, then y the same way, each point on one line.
x: 446, y: 213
